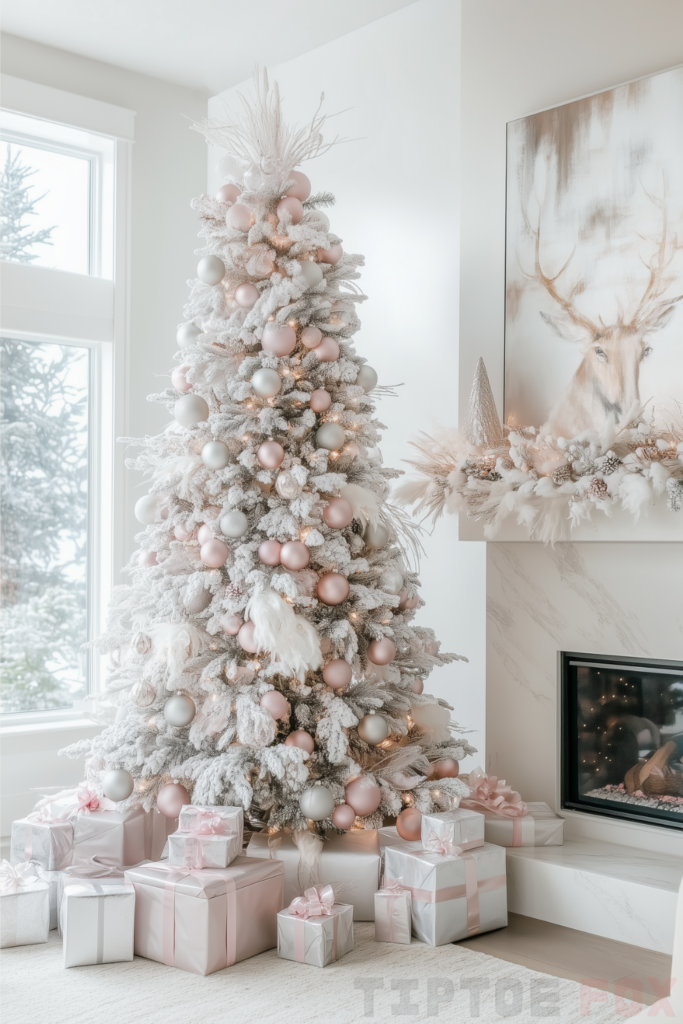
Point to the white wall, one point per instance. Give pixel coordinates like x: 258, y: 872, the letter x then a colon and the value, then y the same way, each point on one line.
x: 397, y: 189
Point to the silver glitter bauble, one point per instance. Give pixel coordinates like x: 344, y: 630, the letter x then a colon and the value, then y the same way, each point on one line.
x: 143, y: 694
x: 287, y: 486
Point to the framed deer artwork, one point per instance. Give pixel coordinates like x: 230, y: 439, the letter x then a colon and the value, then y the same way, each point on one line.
x: 594, y: 261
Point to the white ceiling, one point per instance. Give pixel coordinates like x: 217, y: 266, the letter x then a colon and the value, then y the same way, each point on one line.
x: 207, y: 45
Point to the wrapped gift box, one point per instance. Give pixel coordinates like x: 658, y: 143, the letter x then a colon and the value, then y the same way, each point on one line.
x: 452, y: 897
x: 393, y: 914
x: 388, y: 836
x: 204, y: 920
x: 113, y: 838
x: 351, y: 860
x: 97, y: 923
x: 207, y: 837
x: 447, y: 829
x: 49, y: 844
x: 317, y: 941
x: 222, y: 820
x: 52, y: 879
x: 82, y: 875
x: 538, y: 827
x: 24, y: 906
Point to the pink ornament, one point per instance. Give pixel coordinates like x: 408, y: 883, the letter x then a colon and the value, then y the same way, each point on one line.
x: 332, y: 255
x: 446, y: 769
x: 337, y: 673
x: 311, y: 337
x: 418, y: 685
x: 343, y: 816
x: 246, y: 295
x: 327, y: 351
x: 320, y: 400
x: 171, y: 799
x: 231, y: 624
x: 204, y: 534
x: 278, y: 339
x: 338, y: 513
x: 274, y: 702
x: 147, y: 558
x: 245, y: 638
x: 181, y: 532
x: 290, y: 205
x: 214, y: 553
x: 301, y: 739
x: 179, y: 379
x: 228, y: 193
x: 302, y: 189
x: 294, y: 555
x: 239, y: 217
x: 270, y: 454
x: 269, y: 552
x: 363, y: 795
x: 406, y: 602
x: 409, y: 824
x: 381, y: 652
x: 333, y: 588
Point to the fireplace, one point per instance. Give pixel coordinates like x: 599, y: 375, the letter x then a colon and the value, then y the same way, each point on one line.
x: 622, y: 738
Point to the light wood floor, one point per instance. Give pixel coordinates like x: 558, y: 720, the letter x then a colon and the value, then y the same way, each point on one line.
x: 566, y: 953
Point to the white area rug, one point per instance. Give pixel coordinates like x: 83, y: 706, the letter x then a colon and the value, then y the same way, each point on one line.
x: 377, y: 981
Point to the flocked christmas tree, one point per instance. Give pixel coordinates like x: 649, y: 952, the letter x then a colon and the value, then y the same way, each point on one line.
x: 264, y: 653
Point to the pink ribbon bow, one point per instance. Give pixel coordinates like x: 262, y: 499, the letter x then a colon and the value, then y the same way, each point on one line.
x: 442, y: 845
x: 317, y: 901
x: 393, y: 886
x: 52, y: 810
x: 13, y: 876
x: 493, y: 796
x: 205, y: 823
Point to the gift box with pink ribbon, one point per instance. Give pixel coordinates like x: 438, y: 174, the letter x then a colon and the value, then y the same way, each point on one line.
x: 24, y: 905
x: 76, y: 875
x: 207, y: 837
x: 454, y: 896
x: 97, y: 922
x: 509, y: 821
x: 204, y: 920
x: 314, y: 929
x: 443, y: 831
x: 393, y: 913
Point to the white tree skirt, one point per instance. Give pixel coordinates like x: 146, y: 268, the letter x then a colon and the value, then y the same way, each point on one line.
x: 267, y: 990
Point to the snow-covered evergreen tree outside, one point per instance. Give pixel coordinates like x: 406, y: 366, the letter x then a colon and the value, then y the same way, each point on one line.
x: 18, y: 204
x: 265, y: 653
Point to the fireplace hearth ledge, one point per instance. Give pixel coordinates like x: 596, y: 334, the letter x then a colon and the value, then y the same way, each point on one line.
x: 615, y: 891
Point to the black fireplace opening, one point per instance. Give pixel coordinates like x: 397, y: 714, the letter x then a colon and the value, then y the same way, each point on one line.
x: 622, y: 738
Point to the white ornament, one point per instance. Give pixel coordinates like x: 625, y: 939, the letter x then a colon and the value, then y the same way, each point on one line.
x: 146, y: 508
x: 211, y: 270
x: 187, y: 334
x: 330, y: 436
x: 198, y: 602
x: 391, y: 581
x: 319, y: 216
x: 190, y: 410
x: 367, y: 377
x: 316, y: 803
x: 373, y: 729
x: 266, y: 383
x: 375, y: 536
x: 117, y: 784
x: 287, y: 486
x: 234, y: 524
x: 310, y: 274
x: 143, y: 694
x: 179, y: 710
x: 215, y: 455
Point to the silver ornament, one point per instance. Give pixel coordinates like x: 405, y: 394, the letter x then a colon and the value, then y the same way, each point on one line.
x: 198, y: 602
x: 375, y: 537
x: 234, y: 524
x: 143, y: 694
x: 310, y: 274
x: 190, y: 410
x: 266, y: 382
x: 391, y: 581
x: 373, y: 729
x: 179, y: 710
x: 316, y: 803
x: 367, y: 377
x: 215, y: 455
x: 287, y: 486
x: 117, y: 784
x: 482, y: 426
x: 187, y: 334
x: 211, y: 269
x: 330, y: 436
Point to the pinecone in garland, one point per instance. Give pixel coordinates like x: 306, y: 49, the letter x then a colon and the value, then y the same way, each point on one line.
x: 609, y: 464
x: 561, y: 475
x: 597, y: 489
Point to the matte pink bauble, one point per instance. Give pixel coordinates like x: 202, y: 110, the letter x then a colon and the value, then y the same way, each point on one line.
x: 231, y: 624
x: 147, y: 558
x: 204, y: 534
x: 337, y: 673
x: 290, y: 205
x: 239, y: 217
x: 320, y: 400
x: 171, y: 799
x: 301, y: 739
x: 338, y: 513
x: 363, y: 795
x: 332, y: 255
x: 295, y: 555
x: 343, y: 816
x: 179, y: 379
x: 333, y: 588
x: 302, y: 189
x: 409, y: 824
x: 245, y: 638
x: 446, y: 769
x: 269, y: 552
x: 181, y: 532
x: 246, y: 295
x: 406, y: 602
x: 327, y: 351
x: 270, y: 454
x: 418, y: 685
x: 228, y: 193
x: 311, y: 337
x: 274, y: 702
x: 214, y: 553
x: 381, y: 652
x: 278, y: 339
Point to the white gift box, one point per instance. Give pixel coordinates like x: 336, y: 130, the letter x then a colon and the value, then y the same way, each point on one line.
x: 351, y: 860
x: 44, y: 843
x: 97, y: 923
x: 116, y: 838
x: 452, y: 828
x: 25, y: 914
x: 393, y: 915
x: 317, y: 941
x: 81, y: 876
x: 452, y: 897
x: 194, y: 817
x: 207, y: 837
x: 52, y: 879
x: 540, y: 826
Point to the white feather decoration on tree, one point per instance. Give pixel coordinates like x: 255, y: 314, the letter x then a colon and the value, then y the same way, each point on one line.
x: 174, y: 643
x: 365, y: 504
x: 292, y: 642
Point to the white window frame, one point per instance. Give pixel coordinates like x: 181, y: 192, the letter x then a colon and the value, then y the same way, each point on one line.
x: 92, y: 311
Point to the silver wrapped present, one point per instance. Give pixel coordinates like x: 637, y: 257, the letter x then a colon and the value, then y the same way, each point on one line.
x: 24, y: 905
x: 204, y: 820
x: 207, y: 837
x: 388, y: 836
x: 314, y: 929
x: 452, y: 897
x: 351, y: 860
x: 540, y: 826
x: 97, y: 923
x: 444, y: 831
x: 393, y: 914
x: 81, y: 875
x: 49, y: 844
x: 113, y: 838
